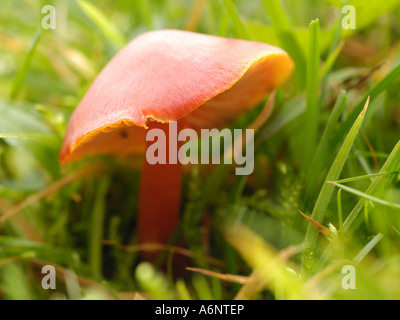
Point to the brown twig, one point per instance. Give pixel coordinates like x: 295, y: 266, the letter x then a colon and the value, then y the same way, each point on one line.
x: 195, y: 15
x: 163, y: 247
x: 74, y: 176
x: 262, y: 117
x: 255, y: 282
x: 371, y: 149
x: 324, y: 230
x: 222, y: 276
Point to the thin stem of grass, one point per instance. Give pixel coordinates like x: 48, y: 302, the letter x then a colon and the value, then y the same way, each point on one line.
x: 240, y: 28
x: 372, y: 93
x: 286, y: 34
x: 195, y: 15
x: 352, y: 221
x: 326, y: 192
x: 367, y: 249
x: 97, y: 228
x: 367, y: 176
x: 340, y: 212
x: 366, y: 196
x: 19, y: 78
x: 311, y: 115
x: 103, y: 23
x: 320, y: 159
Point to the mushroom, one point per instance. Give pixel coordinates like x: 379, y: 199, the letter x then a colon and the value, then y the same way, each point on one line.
x: 200, y: 81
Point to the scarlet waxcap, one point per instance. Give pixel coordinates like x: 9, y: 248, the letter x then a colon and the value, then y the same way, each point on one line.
x: 165, y: 76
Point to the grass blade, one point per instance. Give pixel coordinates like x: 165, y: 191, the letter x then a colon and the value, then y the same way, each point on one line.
x: 263, y: 258
x: 330, y: 61
x: 311, y: 114
x: 103, y: 23
x: 192, y: 22
x: 367, y: 176
x: 391, y: 164
x: 320, y: 158
x: 287, y: 37
x: 19, y: 78
x: 97, y: 228
x: 372, y: 93
x: 240, y: 28
x: 291, y: 111
x: 365, y: 195
x: 326, y: 192
x: 340, y: 212
x: 367, y: 249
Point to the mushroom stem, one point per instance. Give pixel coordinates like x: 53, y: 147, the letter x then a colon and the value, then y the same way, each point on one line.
x: 160, y: 194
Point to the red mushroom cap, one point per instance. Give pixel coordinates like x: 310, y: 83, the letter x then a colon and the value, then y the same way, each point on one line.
x: 165, y: 76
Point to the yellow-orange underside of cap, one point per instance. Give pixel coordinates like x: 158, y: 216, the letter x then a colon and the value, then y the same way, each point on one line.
x: 166, y: 76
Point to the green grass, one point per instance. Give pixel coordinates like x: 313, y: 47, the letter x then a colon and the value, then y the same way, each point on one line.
x: 322, y: 152
x: 312, y: 91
